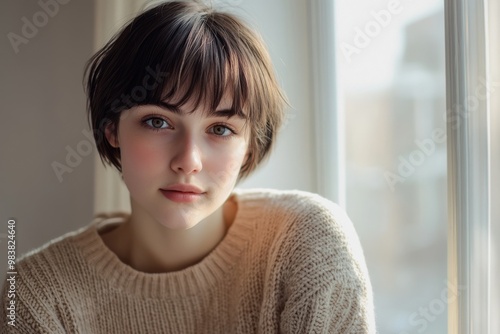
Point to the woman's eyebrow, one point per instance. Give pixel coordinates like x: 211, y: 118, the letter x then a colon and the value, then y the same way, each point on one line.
x: 228, y: 113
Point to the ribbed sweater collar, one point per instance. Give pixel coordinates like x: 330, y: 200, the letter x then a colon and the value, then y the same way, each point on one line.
x: 193, y: 280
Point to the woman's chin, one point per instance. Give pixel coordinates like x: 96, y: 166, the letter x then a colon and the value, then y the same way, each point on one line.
x: 179, y: 225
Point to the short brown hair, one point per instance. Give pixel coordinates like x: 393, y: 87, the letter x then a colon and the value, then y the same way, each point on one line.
x: 186, y: 48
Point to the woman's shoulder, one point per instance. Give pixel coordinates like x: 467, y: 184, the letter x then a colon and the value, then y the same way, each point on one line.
x: 309, y: 218
x: 312, y: 229
x: 283, y: 196
x: 44, y: 272
x: 48, y: 247
x: 61, y: 248
x: 301, y: 207
x: 37, y: 272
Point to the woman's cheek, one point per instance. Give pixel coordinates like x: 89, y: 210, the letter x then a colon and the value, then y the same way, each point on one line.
x: 226, y: 164
x: 143, y: 156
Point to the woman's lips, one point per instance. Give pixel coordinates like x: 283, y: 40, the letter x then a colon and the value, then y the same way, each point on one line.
x: 180, y: 196
x: 183, y: 187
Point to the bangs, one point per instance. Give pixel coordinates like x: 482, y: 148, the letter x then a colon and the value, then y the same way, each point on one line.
x: 198, y: 62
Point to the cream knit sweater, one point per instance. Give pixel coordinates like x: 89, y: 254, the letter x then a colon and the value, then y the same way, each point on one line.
x: 291, y: 262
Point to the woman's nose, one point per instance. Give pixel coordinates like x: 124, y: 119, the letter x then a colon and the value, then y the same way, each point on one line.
x: 187, y: 158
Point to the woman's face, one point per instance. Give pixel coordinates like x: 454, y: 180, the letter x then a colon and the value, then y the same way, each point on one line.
x: 161, y: 149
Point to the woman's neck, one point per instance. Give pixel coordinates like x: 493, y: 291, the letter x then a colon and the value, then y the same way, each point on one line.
x: 149, y: 247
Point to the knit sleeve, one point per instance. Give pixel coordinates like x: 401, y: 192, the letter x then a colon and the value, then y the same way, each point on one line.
x: 327, y: 284
x: 31, y: 313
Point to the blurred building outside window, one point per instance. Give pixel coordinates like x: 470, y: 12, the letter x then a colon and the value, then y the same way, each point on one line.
x: 391, y: 62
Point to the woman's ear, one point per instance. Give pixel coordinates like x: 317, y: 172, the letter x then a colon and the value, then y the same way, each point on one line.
x: 109, y: 131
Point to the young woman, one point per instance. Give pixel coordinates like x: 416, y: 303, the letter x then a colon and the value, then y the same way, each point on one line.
x: 184, y: 102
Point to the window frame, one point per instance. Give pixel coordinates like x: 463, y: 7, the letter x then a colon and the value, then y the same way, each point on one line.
x: 468, y: 150
x: 329, y: 120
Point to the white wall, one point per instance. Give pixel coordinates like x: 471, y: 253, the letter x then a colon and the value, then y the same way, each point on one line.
x: 43, y: 112
x: 284, y: 27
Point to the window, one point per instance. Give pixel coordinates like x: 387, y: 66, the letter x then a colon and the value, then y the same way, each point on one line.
x: 391, y: 62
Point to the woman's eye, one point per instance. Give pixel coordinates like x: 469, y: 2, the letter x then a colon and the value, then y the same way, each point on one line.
x: 221, y: 130
x: 156, y: 123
